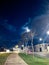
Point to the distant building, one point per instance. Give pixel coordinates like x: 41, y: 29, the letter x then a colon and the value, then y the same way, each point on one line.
x: 2, y: 49
x: 41, y: 47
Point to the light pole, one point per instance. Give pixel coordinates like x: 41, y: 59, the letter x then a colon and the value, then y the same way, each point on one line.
x: 41, y: 40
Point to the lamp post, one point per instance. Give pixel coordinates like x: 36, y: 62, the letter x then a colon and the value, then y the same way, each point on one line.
x: 43, y: 40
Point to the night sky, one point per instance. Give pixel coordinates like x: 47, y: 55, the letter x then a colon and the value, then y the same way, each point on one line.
x: 14, y: 15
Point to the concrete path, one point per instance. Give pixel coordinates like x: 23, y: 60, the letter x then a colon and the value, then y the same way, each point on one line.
x: 15, y: 59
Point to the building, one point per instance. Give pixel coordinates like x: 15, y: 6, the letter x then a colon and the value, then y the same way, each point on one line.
x: 43, y: 47
x: 2, y: 49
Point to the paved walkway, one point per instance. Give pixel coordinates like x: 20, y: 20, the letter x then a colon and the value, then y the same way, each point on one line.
x: 14, y: 59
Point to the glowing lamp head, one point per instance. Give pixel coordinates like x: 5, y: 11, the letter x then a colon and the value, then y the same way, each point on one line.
x: 40, y: 39
x: 47, y: 32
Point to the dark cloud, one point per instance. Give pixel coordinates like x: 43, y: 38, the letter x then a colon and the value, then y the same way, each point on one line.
x: 10, y: 27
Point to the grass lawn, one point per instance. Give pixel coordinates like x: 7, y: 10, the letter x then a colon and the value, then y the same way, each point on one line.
x: 30, y: 60
x: 3, y: 58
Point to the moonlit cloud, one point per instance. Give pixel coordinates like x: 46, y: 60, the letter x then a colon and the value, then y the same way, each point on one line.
x: 40, y: 22
x: 26, y: 24
x: 29, y: 20
x: 10, y: 27
x: 5, y: 21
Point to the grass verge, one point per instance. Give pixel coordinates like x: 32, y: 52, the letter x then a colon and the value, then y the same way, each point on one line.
x: 30, y: 60
x: 3, y: 58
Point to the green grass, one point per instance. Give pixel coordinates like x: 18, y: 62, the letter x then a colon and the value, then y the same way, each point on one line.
x: 30, y: 60
x: 3, y: 58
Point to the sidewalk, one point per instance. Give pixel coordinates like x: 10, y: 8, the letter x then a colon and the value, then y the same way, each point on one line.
x: 15, y: 59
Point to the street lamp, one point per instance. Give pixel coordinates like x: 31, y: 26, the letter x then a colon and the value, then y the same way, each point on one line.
x: 40, y: 39
x: 48, y: 32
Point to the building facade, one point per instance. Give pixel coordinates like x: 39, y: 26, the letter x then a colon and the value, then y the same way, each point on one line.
x: 44, y: 47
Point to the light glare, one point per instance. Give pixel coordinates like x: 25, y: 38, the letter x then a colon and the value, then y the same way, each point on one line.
x: 7, y: 50
x: 47, y: 32
x: 40, y: 39
x: 27, y: 29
